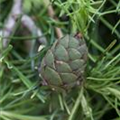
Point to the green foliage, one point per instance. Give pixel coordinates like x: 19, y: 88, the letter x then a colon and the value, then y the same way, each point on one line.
x: 81, y: 12
x: 22, y: 97
x: 29, y: 4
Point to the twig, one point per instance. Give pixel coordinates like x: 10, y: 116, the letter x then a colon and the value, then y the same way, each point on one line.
x: 51, y: 13
x: 10, y: 23
x: 29, y: 23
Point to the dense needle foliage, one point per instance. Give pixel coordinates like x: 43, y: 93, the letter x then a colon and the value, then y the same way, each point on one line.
x: 23, y: 97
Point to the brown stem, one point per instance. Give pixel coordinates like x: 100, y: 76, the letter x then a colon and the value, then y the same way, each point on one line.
x: 51, y: 13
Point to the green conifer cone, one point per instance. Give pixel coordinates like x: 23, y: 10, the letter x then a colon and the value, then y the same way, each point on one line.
x: 64, y: 63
